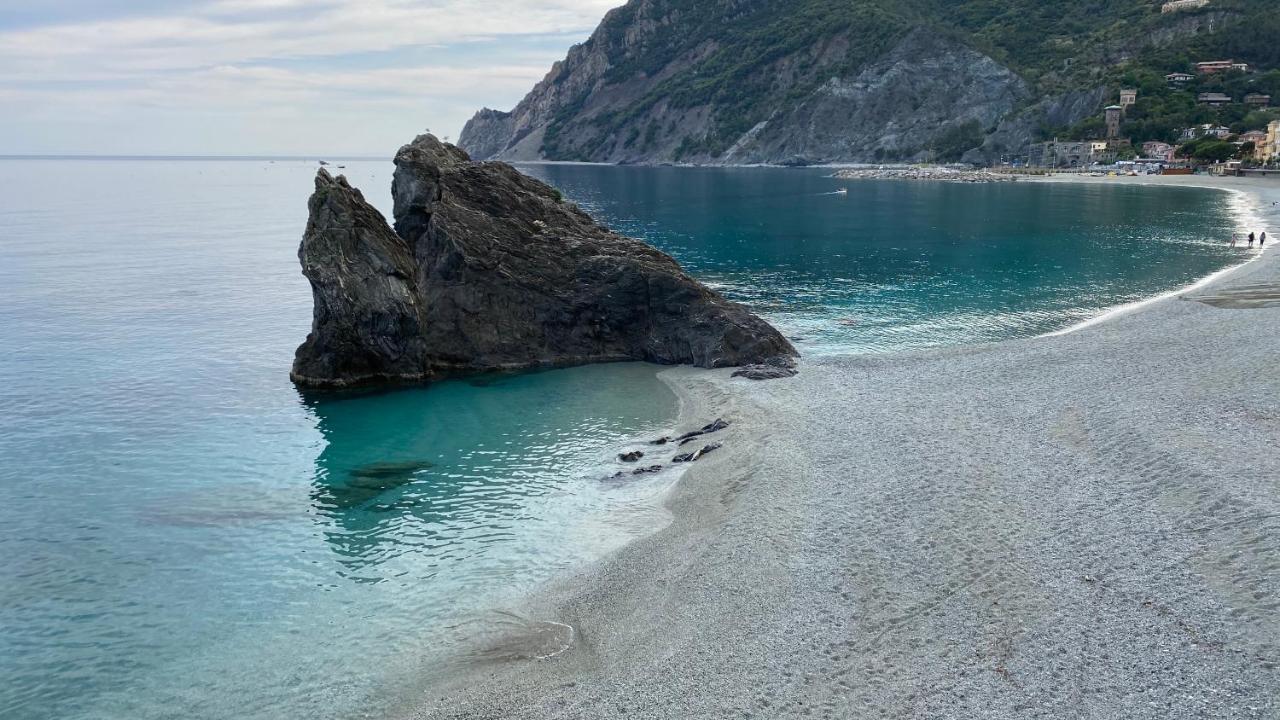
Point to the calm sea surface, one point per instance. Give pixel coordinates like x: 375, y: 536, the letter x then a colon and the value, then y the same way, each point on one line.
x: 184, y: 534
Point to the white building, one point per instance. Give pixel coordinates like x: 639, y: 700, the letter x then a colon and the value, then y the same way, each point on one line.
x: 1180, y: 5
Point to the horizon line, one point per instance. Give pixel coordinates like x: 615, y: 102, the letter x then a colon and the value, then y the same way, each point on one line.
x: 301, y: 158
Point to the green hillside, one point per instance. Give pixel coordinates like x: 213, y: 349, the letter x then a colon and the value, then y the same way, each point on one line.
x: 689, y: 79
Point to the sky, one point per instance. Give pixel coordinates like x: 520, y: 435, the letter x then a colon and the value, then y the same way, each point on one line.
x: 267, y: 77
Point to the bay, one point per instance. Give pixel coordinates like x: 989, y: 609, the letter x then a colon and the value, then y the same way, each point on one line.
x: 184, y: 533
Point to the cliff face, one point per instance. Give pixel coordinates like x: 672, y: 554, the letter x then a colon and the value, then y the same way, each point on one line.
x: 630, y: 93
x: 489, y: 269
x: 799, y: 81
x: 923, y: 92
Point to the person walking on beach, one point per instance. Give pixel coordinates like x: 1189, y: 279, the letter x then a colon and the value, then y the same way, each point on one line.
x: 1262, y: 239
x: 1233, y: 238
x: 1252, y: 237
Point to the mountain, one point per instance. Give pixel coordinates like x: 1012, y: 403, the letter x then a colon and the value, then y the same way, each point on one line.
x: 806, y: 81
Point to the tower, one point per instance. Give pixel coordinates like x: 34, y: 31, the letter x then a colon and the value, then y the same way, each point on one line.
x: 1128, y: 98
x: 1113, y: 121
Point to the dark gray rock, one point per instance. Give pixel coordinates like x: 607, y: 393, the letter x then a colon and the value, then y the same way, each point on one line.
x: 696, y: 456
x: 651, y: 470
x: 631, y: 457
x: 772, y: 369
x: 367, y: 321
x: 716, y: 426
x: 489, y: 269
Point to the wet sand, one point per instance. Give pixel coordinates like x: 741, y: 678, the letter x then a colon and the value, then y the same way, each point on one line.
x: 1084, y: 525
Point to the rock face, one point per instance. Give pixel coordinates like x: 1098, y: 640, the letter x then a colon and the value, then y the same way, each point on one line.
x: 489, y: 269
x: 367, y: 321
x: 803, y: 82
x: 1019, y: 129
x: 921, y: 93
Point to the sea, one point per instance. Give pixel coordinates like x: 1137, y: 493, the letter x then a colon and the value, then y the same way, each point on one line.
x: 184, y: 533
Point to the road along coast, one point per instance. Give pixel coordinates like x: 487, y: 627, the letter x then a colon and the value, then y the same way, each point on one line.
x: 1082, y: 525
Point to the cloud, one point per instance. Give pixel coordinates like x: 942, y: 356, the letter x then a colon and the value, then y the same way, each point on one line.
x: 268, y: 56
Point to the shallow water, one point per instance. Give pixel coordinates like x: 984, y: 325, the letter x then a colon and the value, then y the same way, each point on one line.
x: 900, y: 264
x: 186, y: 534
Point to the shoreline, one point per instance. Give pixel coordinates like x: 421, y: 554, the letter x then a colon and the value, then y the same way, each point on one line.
x: 1204, y: 282
x: 750, y: 524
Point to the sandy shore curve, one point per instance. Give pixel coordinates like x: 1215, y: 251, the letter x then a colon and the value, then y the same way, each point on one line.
x: 1084, y: 525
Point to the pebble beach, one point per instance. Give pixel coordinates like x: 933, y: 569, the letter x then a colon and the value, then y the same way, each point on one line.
x: 1083, y: 525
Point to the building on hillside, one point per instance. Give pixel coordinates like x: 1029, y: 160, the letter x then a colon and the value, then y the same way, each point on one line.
x: 1199, y: 131
x: 1213, y: 99
x: 1113, y: 115
x: 1256, y: 138
x: 1212, y: 67
x: 1069, y: 153
x: 1253, y: 136
x: 1058, y: 154
x: 1156, y: 150
x: 1257, y: 100
x: 1179, y: 78
x: 1270, y: 150
x: 1128, y: 98
x: 1180, y: 5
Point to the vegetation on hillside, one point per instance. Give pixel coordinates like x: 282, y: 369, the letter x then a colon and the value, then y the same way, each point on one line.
x: 1165, y: 109
x: 1056, y: 47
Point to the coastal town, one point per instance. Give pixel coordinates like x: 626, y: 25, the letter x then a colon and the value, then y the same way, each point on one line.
x: 1229, y: 124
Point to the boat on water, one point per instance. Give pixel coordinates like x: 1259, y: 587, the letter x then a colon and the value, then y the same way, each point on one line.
x: 841, y: 191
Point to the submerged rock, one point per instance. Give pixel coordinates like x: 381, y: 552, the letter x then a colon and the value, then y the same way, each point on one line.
x: 651, y: 470
x: 696, y: 456
x: 388, y: 474
x: 772, y: 369
x: 631, y: 457
x: 489, y: 269
x: 712, y: 427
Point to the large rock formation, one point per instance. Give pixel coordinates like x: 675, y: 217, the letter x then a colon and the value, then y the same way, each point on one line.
x: 489, y: 269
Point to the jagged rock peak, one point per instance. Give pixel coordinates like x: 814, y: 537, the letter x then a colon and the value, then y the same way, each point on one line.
x: 488, y: 269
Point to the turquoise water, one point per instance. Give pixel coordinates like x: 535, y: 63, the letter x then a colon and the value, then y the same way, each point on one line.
x: 186, y: 535
x: 898, y: 264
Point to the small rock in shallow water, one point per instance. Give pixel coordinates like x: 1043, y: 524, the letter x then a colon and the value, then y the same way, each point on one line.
x: 631, y: 457
x: 773, y: 369
x: 384, y: 475
x: 707, y: 429
x: 652, y: 469
x: 694, y: 457
x: 660, y: 441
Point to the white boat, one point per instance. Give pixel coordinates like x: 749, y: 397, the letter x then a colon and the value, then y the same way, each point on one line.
x: 841, y: 191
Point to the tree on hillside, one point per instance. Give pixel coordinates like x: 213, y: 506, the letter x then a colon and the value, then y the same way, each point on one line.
x: 1208, y: 149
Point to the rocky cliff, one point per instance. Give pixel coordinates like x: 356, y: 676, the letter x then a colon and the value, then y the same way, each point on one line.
x: 803, y: 81
x: 489, y: 269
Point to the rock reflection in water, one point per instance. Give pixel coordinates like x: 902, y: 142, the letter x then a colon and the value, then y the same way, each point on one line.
x: 412, y: 481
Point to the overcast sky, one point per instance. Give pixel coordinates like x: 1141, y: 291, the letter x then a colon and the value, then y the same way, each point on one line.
x: 281, y: 77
